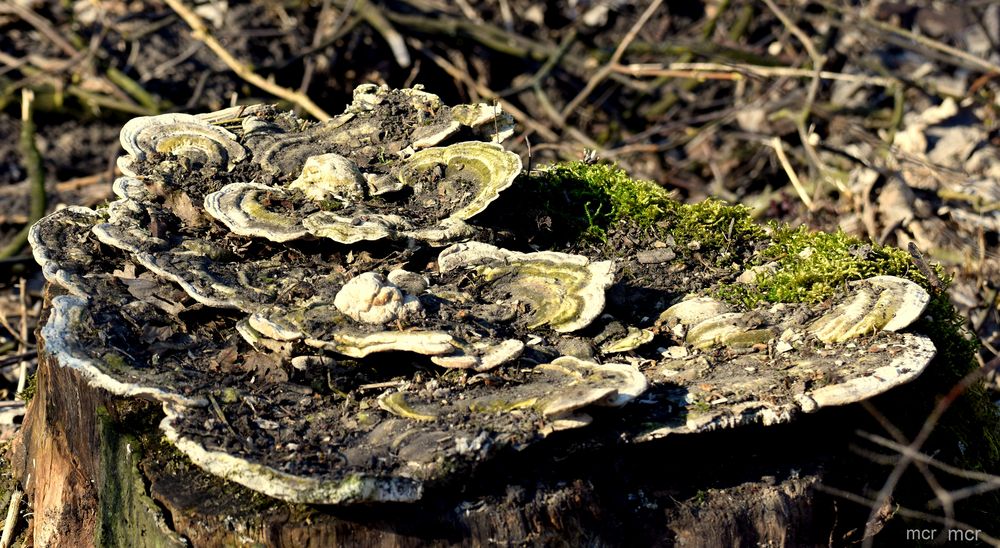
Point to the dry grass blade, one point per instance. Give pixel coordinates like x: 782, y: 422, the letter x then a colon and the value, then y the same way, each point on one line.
x: 22, y: 376
x: 736, y: 71
x: 779, y: 151
x: 36, y: 175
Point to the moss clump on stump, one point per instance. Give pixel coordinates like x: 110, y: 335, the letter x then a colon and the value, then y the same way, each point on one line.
x: 590, y: 200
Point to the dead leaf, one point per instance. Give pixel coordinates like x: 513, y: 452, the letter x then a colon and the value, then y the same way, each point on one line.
x: 267, y: 366
x: 224, y: 360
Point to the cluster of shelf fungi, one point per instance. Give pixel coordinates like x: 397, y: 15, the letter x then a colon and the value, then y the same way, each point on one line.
x: 322, y: 321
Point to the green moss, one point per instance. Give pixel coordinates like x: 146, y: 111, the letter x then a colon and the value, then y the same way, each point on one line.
x: 30, y: 388
x: 812, y: 266
x: 330, y: 205
x: 598, y: 195
x: 699, y: 407
x: 127, y: 515
x: 114, y: 361
x: 714, y: 224
x: 972, y: 420
x: 587, y: 199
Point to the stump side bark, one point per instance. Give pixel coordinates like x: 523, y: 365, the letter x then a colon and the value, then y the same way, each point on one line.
x: 97, y: 476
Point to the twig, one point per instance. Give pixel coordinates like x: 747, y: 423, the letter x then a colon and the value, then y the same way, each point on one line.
x: 925, y: 431
x: 979, y: 62
x: 78, y: 57
x: 133, y: 89
x: 22, y: 376
x: 166, y: 67
x: 818, y: 61
x: 989, y: 482
x: 670, y: 98
x: 799, y: 33
x: 200, y: 32
x: 81, y: 182
x: 942, y: 494
x: 486, y: 34
x: 5, y: 323
x: 11, y: 520
x: 546, y: 68
x: 736, y: 71
x: 321, y: 23
x: 609, y: 67
x: 779, y: 151
x: 40, y: 24
x: 99, y: 100
x: 506, y: 15
x: 906, y: 512
x: 338, y: 25
x: 36, y: 174
x: 4, y: 362
x: 386, y: 384
x: 468, y: 11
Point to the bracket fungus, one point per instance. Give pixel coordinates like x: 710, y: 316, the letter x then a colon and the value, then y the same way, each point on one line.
x: 191, y: 140
x: 880, y: 303
x: 803, y: 363
x: 227, y: 283
x: 428, y: 197
x: 560, y: 290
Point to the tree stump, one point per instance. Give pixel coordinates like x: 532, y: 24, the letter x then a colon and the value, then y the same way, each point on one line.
x: 97, y: 473
x: 294, y: 334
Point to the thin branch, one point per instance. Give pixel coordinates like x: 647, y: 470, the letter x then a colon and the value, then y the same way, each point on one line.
x: 608, y: 68
x: 546, y: 68
x: 798, y: 32
x: 925, y: 431
x: 944, y: 467
x: 41, y: 25
x: 906, y: 512
x: 818, y: 61
x: 309, y: 62
x: 943, y: 496
x: 18, y: 358
x: 737, y: 71
x: 200, y: 32
x: 373, y: 16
